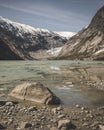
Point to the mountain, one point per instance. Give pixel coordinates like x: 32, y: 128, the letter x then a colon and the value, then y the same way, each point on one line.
x: 87, y: 44
x: 20, y: 41
x: 66, y: 34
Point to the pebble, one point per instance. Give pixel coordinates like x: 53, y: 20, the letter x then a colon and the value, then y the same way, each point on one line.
x: 82, y: 108
x: 61, y: 116
x: 77, y: 106
x: 85, y: 124
x: 54, y: 110
x: 64, y: 123
x: 101, y: 127
x: 24, y: 125
x: 59, y: 108
x: 9, y: 104
x: 33, y: 108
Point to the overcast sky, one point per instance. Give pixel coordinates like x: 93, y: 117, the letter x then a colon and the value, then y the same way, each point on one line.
x: 55, y: 15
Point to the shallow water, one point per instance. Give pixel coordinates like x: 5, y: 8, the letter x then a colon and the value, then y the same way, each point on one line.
x: 57, y: 75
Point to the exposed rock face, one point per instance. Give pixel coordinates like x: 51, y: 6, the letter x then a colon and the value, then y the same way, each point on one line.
x: 88, y: 43
x: 23, y: 40
x: 35, y: 92
x: 9, y: 51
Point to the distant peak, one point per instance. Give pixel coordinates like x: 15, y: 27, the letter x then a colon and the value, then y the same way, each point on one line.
x: 65, y: 34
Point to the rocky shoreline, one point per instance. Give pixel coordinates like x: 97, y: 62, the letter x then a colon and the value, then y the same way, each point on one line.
x: 19, y: 116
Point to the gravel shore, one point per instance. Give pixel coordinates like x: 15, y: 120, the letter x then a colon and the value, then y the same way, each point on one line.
x: 19, y: 116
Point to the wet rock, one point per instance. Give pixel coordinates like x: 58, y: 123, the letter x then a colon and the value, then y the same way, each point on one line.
x: 36, y: 92
x: 64, y: 123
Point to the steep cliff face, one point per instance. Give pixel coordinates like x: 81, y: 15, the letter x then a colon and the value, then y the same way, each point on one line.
x: 26, y: 40
x: 9, y: 51
x: 88, y: 43
x: 6, y: 52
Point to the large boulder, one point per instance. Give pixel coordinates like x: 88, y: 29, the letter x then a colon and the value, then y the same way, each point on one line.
x: 36, y: 92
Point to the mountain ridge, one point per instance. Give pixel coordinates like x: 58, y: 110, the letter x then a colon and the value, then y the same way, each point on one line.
x: 27, y: 40
x: 87, y: 44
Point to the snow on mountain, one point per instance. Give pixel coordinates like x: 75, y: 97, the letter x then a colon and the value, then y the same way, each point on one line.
x: 29, y: 29
x: 27, y: 39
x: 22, y: 27
x: 66, y: 34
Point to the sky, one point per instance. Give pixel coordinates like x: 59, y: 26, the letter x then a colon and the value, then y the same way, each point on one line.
x: 55, y: 15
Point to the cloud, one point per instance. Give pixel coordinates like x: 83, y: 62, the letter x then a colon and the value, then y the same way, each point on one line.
x: 49, y: 13
x: 47, y: 16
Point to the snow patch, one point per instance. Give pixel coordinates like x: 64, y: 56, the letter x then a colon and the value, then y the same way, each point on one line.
x: 66, y: 34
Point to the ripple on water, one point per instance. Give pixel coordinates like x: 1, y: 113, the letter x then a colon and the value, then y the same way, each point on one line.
x: 12, y: 72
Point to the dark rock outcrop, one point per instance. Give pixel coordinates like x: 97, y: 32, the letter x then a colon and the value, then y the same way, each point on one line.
x: 35, y: 92
x: 88, y: 43
x: 9, y: 51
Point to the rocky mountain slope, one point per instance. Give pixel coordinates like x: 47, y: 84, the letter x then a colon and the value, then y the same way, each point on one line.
x: 19, y: 41
x: 88, y: 43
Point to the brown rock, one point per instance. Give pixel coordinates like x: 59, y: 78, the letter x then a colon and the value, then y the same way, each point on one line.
x: 35, y: 92
x: 64, y: 123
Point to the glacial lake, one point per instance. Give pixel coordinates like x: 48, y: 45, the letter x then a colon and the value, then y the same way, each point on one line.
x: 67, y: 79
